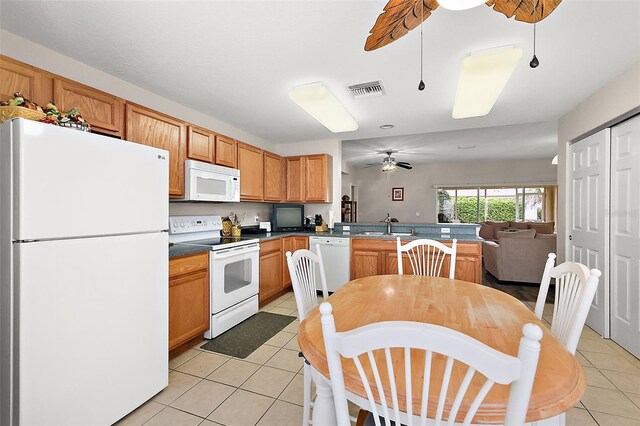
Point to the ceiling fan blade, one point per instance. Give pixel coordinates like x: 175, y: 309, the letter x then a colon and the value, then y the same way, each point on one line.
x: 398, y: 18
x: 523, y: 10
x: 404, y: 166
x: 403, y: 162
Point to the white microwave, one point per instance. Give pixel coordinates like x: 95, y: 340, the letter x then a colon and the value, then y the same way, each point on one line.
x: 208, y: 182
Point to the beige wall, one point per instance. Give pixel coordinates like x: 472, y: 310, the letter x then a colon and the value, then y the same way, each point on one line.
x: 604, y: 107
x: 39, y: 56
x: 374, y: 187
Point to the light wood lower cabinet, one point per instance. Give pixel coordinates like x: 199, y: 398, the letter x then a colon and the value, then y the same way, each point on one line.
x: 188, y: 298
x: 270, y: 269
x: 378, y: 257
x: 291, y: 244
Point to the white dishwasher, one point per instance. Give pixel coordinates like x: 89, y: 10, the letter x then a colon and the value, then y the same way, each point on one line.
x: 336, y: 258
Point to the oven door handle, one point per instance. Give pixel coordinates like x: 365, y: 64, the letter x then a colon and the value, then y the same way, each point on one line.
x: 224, y: 254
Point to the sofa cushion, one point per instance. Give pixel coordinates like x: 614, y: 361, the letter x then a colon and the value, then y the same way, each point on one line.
x: 542, y: 227
x: 523, y: 233
x: 519, y: 225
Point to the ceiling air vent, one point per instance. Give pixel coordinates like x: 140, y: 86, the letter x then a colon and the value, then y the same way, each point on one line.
x: 366, y: 90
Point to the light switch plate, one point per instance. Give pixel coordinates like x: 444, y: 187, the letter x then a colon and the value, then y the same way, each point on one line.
x: 445, y: 230
x: 346, y: 228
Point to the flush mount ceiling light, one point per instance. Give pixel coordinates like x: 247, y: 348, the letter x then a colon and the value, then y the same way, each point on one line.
x: 483, y: 75
x: 387, y: 126
x: 460, y: 4
x: 554, y: 160
x: 318, y: 101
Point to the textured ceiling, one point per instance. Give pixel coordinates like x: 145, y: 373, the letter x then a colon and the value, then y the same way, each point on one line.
x: 236, y: 61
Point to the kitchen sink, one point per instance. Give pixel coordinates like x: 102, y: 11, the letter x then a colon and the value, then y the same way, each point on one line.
x: 402, y: 234
x: 373, y: 233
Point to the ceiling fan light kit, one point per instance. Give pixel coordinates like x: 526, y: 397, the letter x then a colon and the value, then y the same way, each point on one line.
x: 482, y: 77
x: 318, y: 101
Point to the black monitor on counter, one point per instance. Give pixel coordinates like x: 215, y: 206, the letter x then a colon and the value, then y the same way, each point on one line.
x: 287, y: 217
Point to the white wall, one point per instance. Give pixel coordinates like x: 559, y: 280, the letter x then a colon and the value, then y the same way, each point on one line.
x: 419, y: 205
x: 615, y: 99
x: 332, y: 147
x: 263, y: 210
x: 39, y: 56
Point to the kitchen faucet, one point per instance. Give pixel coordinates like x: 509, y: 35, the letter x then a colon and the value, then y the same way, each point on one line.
x: 388, y: 221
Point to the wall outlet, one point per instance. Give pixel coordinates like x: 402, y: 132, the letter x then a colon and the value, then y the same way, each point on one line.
x: 445, y: 230
x: 346, y: 228
x: 257, y: 218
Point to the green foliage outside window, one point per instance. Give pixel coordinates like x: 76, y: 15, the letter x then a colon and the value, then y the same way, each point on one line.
x: 499, y: 209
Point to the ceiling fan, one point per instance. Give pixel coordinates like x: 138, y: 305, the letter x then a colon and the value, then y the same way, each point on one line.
x: 389, y: 163
x: 401, y: 16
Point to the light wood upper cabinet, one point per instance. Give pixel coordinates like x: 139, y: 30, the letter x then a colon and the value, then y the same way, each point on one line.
x: 251, y: 167
x: 274, y: 176
x: 201, y: 144
x: 104, y: 112
x: 226, y: 151
x: 318, y: 178
x: 30, y: 81
x: 295, y: 179
x: 151, y: 128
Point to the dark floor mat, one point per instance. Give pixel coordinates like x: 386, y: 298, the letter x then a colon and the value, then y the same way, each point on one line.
x: 249, y: 335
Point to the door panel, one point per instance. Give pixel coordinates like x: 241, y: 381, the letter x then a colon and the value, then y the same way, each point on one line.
x: 93, y: 316
x: 91, y: 187
x: 625, y: 235
x: 588, y: 224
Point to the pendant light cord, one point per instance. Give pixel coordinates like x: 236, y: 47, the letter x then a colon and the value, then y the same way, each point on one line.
x: 421, y: 22
x: 535, y: 21
x: 421, y: 85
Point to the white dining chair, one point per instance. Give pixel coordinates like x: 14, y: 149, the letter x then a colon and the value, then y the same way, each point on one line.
x: 495, y: 366
x: 576, y: 286
x: 302, y: 269
x: 427, y: 257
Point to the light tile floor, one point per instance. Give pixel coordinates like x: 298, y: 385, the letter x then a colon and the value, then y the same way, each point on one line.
x: 265, y: 389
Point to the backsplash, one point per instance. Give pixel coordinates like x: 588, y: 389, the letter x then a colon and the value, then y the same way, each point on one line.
x: 262, y: 210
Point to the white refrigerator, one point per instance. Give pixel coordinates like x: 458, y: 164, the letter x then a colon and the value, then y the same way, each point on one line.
x: 84, y: 270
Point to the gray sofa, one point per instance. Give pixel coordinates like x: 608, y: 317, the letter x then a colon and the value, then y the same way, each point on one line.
x: 518, y: 256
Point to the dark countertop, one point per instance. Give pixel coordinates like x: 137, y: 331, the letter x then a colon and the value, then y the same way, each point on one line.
x: 182, y: 250
x: 178, y: 249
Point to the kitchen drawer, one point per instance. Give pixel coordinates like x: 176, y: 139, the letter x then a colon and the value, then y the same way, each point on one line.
x: 270, y: 246
x: 187, y: 264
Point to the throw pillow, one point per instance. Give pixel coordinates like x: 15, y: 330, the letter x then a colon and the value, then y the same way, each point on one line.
x: 542, y: 227
x: 519, y: 225
x: 486, y: 231
x: 497, y: 227
x: 524, y: 234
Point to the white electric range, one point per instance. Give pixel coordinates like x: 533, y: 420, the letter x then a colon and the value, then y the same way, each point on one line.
x: 233, y: 269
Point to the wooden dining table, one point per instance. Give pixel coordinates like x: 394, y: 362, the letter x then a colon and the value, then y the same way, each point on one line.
x: 488, y: 315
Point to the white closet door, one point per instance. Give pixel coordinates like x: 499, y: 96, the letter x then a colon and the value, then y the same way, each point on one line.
x: 625, y: 235
x: 588, y: 221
